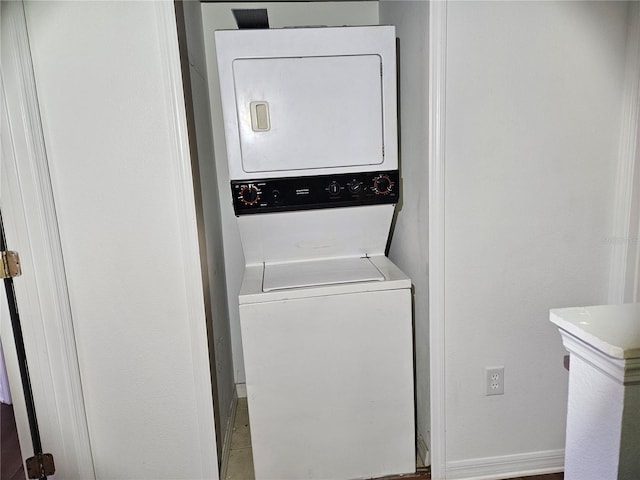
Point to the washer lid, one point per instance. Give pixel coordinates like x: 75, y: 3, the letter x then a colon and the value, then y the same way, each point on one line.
x: 251, y: 290
x: 281, y: 276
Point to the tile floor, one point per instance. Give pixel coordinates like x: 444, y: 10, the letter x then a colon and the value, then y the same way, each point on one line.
x: 240, y: 466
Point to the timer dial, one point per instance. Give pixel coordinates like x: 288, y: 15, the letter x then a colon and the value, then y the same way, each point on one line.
x: 249, y: 194
x: 382, y: 185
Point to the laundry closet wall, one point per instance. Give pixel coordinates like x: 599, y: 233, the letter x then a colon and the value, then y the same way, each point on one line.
x: 409, y: 247
x: 210, y: 228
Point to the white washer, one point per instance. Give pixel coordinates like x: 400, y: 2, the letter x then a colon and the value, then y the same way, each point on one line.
x: 329, y: 369
x: 326, y: 320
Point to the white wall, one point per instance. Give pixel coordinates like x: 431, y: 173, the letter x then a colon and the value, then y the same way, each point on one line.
x: 219, y: 16
x: 108, y: 82
x: 533, y: 104
x: 409, y: 244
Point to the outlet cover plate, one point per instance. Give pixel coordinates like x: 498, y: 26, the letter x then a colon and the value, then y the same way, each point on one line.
x: 494, y: 380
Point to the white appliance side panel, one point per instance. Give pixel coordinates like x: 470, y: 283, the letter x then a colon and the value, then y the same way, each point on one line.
x: 330, y: 385
x: 312, y: 234
x: 320, y: 112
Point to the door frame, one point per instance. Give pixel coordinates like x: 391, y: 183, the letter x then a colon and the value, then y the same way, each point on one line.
x: 27, y: 202
x: 624, y: 279
x: 437, y: 110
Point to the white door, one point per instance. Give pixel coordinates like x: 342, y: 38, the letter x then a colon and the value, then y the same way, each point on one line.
x: 41, y: 293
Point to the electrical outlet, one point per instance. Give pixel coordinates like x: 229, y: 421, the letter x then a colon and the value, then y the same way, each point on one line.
x: 494, y: 381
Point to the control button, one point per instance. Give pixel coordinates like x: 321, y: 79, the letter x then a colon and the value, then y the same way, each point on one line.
x: 275, y: 194
x: 382, y: 185
x: 249, y: 194
x: 355, y: 186
x: 334, y: 188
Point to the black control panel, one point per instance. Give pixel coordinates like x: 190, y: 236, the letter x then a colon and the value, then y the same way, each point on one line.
x: 321, y: 191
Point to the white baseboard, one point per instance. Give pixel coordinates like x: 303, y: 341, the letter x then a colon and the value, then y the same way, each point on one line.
x: 241, y: 390
x: 507, y: 466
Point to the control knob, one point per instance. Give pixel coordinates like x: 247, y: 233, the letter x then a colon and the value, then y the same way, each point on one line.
x: 355, y: 186
x: 249, y: 194
x: 334, y: 188
x: 382, y: 185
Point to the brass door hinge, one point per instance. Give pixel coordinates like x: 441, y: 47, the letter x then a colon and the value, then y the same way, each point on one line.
x: 40, y: 466
x: 10, y: 265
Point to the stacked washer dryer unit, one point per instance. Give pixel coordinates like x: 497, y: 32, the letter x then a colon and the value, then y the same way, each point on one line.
x: 310, y: 126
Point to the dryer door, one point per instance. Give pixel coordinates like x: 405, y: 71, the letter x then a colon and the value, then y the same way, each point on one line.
x: 297, y: 113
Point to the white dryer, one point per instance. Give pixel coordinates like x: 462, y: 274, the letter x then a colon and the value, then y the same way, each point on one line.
x: 326, y: 318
